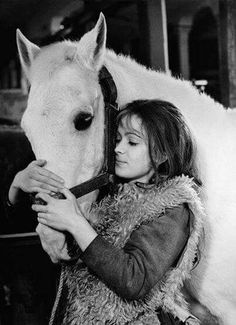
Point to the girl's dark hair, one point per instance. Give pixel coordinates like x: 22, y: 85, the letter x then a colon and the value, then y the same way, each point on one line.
x: 168, y: 135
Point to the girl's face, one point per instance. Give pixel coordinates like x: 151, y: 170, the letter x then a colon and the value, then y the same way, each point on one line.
x: 132, y: 153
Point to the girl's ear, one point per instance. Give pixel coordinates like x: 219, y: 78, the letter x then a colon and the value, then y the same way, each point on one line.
x: 162, y: 158
x: 93, y: 44
x: 162, y: 167
x: 27, y: 52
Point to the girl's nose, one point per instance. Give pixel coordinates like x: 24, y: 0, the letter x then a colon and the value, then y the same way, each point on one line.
x: 119, y: 147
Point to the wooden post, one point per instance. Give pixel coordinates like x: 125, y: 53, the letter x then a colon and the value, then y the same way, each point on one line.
x: 184, y: 28
x: 227, y: 43
x: 153, y: 27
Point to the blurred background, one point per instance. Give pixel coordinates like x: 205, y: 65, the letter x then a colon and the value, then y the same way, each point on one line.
x: 192, y: 39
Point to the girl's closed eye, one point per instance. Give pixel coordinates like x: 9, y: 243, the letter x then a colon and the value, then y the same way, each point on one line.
x: 133, y: 143
x: 133, y: 140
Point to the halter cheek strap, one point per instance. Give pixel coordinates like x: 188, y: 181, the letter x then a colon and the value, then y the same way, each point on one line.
x: 106, y: 176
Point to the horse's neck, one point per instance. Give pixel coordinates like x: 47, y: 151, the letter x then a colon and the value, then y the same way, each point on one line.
x: 134, y: 81
x: 124, y: 73
x: 86, y: 201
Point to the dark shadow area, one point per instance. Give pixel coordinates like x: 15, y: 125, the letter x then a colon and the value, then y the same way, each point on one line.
x: 27, y: 276
x: 204, y: 53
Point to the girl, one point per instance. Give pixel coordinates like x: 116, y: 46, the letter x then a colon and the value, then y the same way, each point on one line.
x: 133, y: 251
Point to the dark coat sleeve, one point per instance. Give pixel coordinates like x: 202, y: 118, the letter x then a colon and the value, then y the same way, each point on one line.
x: 151, y: 250
x: 20, y: 217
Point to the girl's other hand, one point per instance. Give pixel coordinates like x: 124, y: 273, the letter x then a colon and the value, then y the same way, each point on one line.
x: 63, y: 215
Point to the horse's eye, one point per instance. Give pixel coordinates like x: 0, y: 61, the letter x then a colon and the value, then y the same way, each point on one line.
x: 83, y: 121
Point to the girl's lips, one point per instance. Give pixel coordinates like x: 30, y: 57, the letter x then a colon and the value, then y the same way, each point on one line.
x: 120, y: 161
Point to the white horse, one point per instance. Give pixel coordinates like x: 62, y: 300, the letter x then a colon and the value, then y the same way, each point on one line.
x: 64, y: 84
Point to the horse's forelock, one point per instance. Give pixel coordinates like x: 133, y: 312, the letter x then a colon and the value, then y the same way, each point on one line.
x: 53, y: 57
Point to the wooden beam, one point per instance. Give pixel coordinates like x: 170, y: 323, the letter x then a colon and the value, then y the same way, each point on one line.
x: 227, y: 43
x: 153, y: 28
x: 184, y: 27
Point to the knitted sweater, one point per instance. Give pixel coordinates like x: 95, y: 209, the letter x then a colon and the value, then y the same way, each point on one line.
x: 91, y: 301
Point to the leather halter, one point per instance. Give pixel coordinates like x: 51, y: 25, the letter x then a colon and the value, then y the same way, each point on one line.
x: 106, y: 176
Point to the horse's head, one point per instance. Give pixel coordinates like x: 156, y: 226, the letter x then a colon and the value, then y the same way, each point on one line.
x: 64, y: 118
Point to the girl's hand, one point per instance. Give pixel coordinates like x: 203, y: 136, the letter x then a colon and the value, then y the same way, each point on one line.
x: 63, y: 215
x: 35, y: 178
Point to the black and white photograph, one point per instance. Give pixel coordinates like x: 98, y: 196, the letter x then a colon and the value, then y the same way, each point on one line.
x: 118, y: 162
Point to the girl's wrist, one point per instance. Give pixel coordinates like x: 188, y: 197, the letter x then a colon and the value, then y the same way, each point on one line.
x: 13, y: 194
x: 16, y: 182
x: 83, y: 233
x: 9, y: 203
x: 74, y: 225
x: 77, y: 226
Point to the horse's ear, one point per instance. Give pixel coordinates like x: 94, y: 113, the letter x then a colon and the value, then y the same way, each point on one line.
x: 93, y: 44
x: 27, y: 52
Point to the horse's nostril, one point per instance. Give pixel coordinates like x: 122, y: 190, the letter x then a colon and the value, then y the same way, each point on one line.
x: 34, y: 200
x: 83, y: 121
x: 58, y: 195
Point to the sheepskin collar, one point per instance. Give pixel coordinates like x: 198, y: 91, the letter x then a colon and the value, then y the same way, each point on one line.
x: 90, y: 301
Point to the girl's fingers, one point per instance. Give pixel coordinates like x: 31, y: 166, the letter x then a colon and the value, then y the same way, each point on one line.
x: 47, y: 181
x: 39, y: 162
x: 48, y: 174
x: 45, y: 219
x: 42, y: 218
x: 44, y: 196
x: 67, y: 193
x: 40, y: 208
x: 40, y: 189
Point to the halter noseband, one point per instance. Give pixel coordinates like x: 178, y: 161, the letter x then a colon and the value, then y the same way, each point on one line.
x: 106, y: 176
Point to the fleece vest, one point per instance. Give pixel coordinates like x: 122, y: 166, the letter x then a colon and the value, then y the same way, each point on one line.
x: 91, y: 301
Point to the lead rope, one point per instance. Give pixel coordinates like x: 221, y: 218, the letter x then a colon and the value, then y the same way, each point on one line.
x: 58, y: 295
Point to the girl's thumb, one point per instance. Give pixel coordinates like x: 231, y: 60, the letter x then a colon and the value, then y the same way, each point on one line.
x: 40, y: 162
